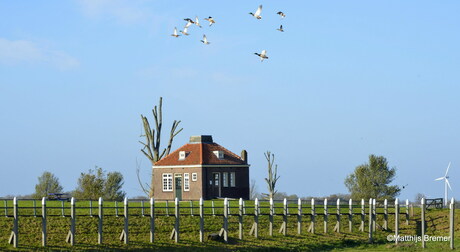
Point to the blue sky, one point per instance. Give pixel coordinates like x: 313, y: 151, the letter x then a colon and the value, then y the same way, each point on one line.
x: 346, y: 79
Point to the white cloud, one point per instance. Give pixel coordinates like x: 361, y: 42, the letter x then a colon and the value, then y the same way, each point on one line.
x: 13, y: 52
x: 121, y: 10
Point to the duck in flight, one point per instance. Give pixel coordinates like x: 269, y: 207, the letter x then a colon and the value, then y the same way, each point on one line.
x: 210, y: 20
x: 262, y: 55
x: 257, y: 14
x: 197, y: 22
x: 205, y: 40
x: 185, y: 31
x: 281, y: 14
x: 280, y: 29
x: 175, y: 33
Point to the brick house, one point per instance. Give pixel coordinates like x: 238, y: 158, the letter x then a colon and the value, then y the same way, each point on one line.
x: 201, y: 168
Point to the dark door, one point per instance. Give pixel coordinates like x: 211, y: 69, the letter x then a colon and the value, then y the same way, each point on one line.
x: 178, y: 187
x: 216, y: 184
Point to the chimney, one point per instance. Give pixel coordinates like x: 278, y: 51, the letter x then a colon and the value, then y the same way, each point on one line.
x: 201, y: 139
x: 244, y: 156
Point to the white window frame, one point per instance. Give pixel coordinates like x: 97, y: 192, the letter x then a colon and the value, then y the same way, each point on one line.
x: 167, y: 182
x: 186, y: 182
x: 194, y: 176
x: 232, y: 179
x: 225, y: 179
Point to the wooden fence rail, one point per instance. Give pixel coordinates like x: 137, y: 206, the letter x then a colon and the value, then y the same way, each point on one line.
x: 258, y: 209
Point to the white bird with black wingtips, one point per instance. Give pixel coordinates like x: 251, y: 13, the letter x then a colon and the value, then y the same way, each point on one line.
x: 262, y: 55
x: 205, y: 40
x: 257, y: 14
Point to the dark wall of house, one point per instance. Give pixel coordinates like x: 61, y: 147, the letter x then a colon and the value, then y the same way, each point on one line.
x: 241, y: 189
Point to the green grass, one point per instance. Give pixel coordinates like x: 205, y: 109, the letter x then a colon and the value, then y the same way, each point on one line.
x: 86, y: 230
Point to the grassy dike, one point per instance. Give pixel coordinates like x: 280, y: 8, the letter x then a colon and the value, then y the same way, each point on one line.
x: 86, y: 231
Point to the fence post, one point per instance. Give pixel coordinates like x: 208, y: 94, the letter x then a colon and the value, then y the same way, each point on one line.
x: 452, y: 223
x: 116, y: 209
x: 35, y: 208
x: 337, y: 225
x: 226, y: 220
x: 72, y: 221
x: 371, y: 214
x: 44, y: 222
x: 422, y: 220
x: 313, y: 216
x: 142, y: 208
x: 167, y: 208
x: 91, y: 208
x: 100, y: 221
x: 396, y: 221
x: 299, y: 216
x: 126, y: 213
x: 244, y: 207
x: 177, y: 224
x: 14, y: 234
x: 285, y: 213
x: 350, y: 215
x: 191, y: 208
x: 270, y: 218
x: 325, y: 215
x: 240, y: 219
x: 5, y: 203
x: 374, y: 215
x: 201, y: 221
x: 62, y: 208
x: 385, y: 214
x: 152, y: 220
x: 256, y: 218
x: 363, y: 215
x: 212, y: 206
x: 407, y: 212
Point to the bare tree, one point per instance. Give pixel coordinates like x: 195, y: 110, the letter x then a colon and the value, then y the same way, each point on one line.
x: 152, y: 142
x: 272, y: 174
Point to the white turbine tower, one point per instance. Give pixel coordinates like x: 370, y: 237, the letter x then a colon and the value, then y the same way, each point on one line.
x: 446, y: 184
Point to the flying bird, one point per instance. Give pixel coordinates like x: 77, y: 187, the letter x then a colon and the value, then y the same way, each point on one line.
x: 197, y: 22
x: 262, y: 55
x: 189, y: 22
x: 257, y: 14
x: 175, y: 33
x: 205, y: 40
x: 281, y: 14
x: 210, y: 20
x: 280, y: 29
x: 185, y: 31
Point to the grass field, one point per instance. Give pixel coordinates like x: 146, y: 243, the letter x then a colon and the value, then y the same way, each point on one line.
x: 86, y: 229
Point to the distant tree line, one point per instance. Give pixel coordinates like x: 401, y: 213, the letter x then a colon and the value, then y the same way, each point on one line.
x: 92, y: 185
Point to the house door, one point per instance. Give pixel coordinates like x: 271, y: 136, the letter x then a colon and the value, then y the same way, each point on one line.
x: 216, y: 184
x: 178, y: 186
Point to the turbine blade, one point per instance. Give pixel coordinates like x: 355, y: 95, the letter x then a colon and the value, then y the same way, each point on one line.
x: 448, y: 184
x: 447, y: 170
x: 441, y: 178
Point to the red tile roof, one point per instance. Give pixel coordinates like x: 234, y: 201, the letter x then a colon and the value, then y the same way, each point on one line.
x: 201, y: 154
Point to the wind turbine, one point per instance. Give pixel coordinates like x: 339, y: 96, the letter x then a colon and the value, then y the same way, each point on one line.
x: 446, y: 183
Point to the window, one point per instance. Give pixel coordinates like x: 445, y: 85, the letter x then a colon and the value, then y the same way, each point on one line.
x: 186, y: 182
x: 194, y: 176
x: 167, y: 182
x: 232, y: 179
x: 225, y: 178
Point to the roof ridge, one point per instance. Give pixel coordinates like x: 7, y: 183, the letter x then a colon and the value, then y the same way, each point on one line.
x: 229, y: 151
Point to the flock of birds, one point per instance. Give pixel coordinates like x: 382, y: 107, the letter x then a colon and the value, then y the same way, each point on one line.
x: 190, y: 22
